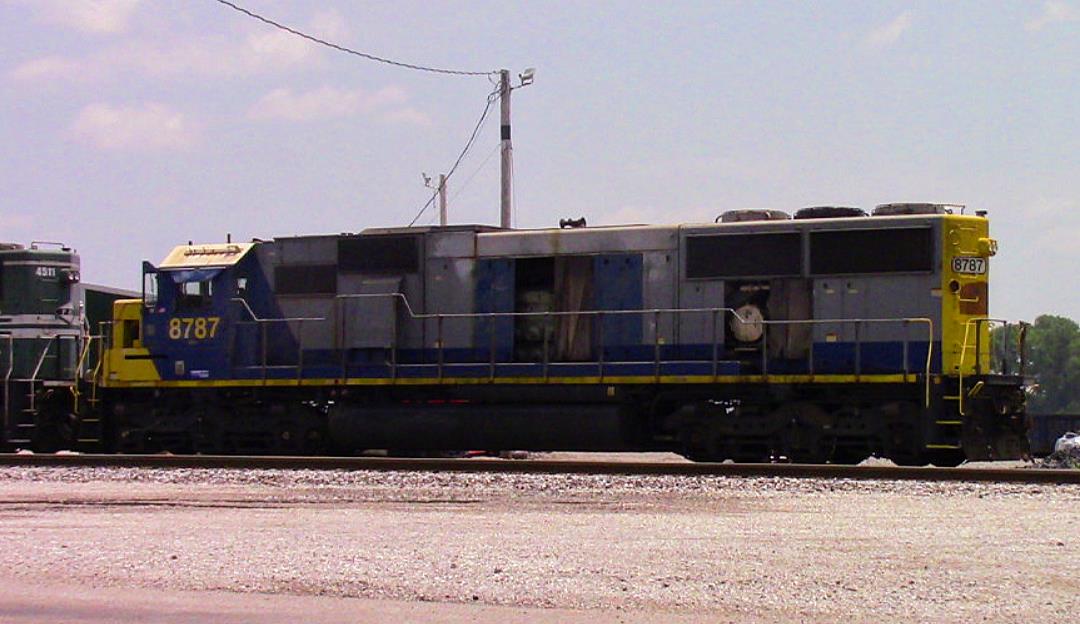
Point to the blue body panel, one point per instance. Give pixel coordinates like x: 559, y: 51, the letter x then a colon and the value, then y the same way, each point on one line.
x: 618, y: 286
x: 495, y: 293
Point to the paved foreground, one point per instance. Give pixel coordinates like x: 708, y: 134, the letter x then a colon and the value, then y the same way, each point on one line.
x: 103, y: 545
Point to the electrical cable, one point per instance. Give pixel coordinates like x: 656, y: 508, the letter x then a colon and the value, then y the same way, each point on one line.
x: 340, y: 48
x: 465, y: 184
x: 371, y: 57
x: 494, y: 95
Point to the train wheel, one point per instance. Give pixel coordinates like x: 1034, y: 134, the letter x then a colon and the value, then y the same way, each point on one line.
x: 207, y: 436
x: 900, y: 438
x: 804, y: 436
x: 55, y: 431
x: 314, y: 442
x: 286, y: 437
x: 945, y: 458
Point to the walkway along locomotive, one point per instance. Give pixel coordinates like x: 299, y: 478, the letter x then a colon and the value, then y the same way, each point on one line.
x: 825, y: 337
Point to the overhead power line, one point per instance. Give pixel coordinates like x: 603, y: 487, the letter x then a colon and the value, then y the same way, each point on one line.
x: 340, y: 48
x: 494, y: 95
x: 459, y: 189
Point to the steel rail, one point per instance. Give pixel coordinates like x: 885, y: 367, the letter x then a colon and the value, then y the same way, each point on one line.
x: 389, y: 464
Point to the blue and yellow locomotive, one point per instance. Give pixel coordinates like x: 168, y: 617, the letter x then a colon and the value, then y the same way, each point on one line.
x: 823, y: 337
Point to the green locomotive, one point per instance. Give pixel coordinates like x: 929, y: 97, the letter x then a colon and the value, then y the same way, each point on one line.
x: 47, y: 352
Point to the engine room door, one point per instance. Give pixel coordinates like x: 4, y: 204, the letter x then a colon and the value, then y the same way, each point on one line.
x: 790, y: 300
x: 574, y: 293
x: 619, y: 285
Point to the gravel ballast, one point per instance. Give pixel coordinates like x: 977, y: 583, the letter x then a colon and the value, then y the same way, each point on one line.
x: 777, y: 549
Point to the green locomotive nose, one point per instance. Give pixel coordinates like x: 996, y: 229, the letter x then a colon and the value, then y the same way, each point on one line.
x: 39, y: 309
x: 37, y: 281
x: 41, y: 333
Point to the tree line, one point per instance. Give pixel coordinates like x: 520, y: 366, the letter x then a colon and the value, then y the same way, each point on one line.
x: 1051, y: 357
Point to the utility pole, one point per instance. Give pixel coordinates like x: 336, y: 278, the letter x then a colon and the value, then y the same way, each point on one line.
x: 505, y: 197
x: 442, y: 199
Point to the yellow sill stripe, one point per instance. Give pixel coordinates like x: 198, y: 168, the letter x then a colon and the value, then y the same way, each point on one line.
x: 503, y: 381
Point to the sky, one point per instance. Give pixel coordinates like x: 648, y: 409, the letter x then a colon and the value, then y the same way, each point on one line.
x: 130, y: 126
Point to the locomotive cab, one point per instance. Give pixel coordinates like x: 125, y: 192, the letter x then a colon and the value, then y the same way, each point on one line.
x: 196, y: 310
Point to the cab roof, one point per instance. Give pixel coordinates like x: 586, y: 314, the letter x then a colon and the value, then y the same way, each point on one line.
x: 205, y: 255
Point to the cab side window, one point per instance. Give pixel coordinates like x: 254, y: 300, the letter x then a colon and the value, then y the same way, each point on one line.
x: 130, y: 333
x: 194, y: 295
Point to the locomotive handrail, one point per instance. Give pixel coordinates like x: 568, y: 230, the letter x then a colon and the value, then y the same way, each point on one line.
x: 105, y: 327
x: 37, y: 369
x: 434, y: 315
x: 7, y: 381
x: 257, y: 319
x: 34, y: 244
x: 84, y: 353
x: 976, y: 322
x: 655, y: 312
x: 264, y: 322
x: 83, y: 370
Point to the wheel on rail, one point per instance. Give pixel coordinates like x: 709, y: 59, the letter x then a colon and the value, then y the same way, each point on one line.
x: 945, y: 458
x: 55, y: 432
x: 804, y: 434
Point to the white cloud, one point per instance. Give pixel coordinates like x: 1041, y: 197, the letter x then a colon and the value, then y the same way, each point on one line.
x: 9, y: 222
x: 92, y: 16
x: 409, y: 116
x: 331, y: 102
x: 47, y: 68
x: 887, y: 34
x: 1054, y: 12
x: 260, y: 51
x: 206, y: 56
x: 148, y: 126
x: 329, y: 25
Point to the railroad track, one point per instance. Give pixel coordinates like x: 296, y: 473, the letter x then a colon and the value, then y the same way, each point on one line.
x: 995, y: 475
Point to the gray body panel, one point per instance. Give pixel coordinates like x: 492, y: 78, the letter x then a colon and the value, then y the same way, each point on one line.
x: 445, y: 282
